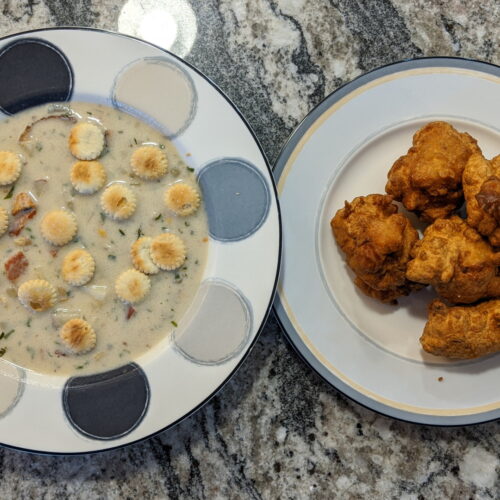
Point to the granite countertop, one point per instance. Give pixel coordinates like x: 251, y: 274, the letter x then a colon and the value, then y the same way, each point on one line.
x: 276, y: 430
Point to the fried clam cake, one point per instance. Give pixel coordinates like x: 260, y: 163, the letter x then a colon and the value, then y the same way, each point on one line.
x: 456, y: 261
x: 462, y: 332
x: 377, y: 241
x: 481, y: 184
x: 428, y: 178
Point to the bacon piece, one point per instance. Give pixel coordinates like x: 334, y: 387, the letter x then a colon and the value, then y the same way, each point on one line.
x: 130, y: 312
x: 21, y: 221
x: 54, y: 252
x: 15, y: 266
x: 22, y: 202
x: 24, y: 208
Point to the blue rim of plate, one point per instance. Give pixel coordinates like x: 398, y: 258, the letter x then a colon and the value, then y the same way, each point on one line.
x: 280, y: 240
x: 287, y: 327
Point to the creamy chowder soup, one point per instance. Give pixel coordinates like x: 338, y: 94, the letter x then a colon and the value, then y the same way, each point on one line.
x: 124, y: 330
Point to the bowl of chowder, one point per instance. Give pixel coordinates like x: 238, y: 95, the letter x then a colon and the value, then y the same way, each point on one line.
x: 139, y: 240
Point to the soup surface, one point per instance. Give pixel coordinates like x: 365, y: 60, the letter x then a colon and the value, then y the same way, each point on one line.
x: 124, y: 331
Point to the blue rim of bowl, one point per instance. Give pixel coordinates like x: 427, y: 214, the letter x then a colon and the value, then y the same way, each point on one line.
x: 280, y: 242
x: 288, y: 329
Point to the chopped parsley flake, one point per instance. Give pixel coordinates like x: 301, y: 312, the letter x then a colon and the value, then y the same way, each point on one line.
x: 174, y: 323
x: 4, y: 335
x: 121, y: 232
x: 191, y: 169
x: 9, y: 194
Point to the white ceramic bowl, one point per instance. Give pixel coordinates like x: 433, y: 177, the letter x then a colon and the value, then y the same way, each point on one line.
x: 58, y: 414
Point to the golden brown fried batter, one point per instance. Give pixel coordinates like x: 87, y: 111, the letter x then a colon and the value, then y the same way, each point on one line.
x: 488, y: 197
x: 428, y: 179
x: 377, y: 243
x: 462, y: 331
x: 481, y: 186
x: 454, y: 258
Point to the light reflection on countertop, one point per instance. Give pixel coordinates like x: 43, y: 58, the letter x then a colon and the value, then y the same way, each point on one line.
x: 169, y: 24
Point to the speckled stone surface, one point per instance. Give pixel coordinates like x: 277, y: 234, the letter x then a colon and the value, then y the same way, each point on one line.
x: 276, y: 430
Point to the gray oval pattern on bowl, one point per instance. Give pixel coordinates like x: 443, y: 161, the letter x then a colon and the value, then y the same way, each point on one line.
x: 33, y: 72
x: 237, y: 198
x: 218, y: 325
x: 107, y: 405
x: 12, y: 381
x: 167, y: 99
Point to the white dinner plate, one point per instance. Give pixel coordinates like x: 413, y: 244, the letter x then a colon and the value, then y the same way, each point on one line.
x: 343, y: 149
x: 61, y: 414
